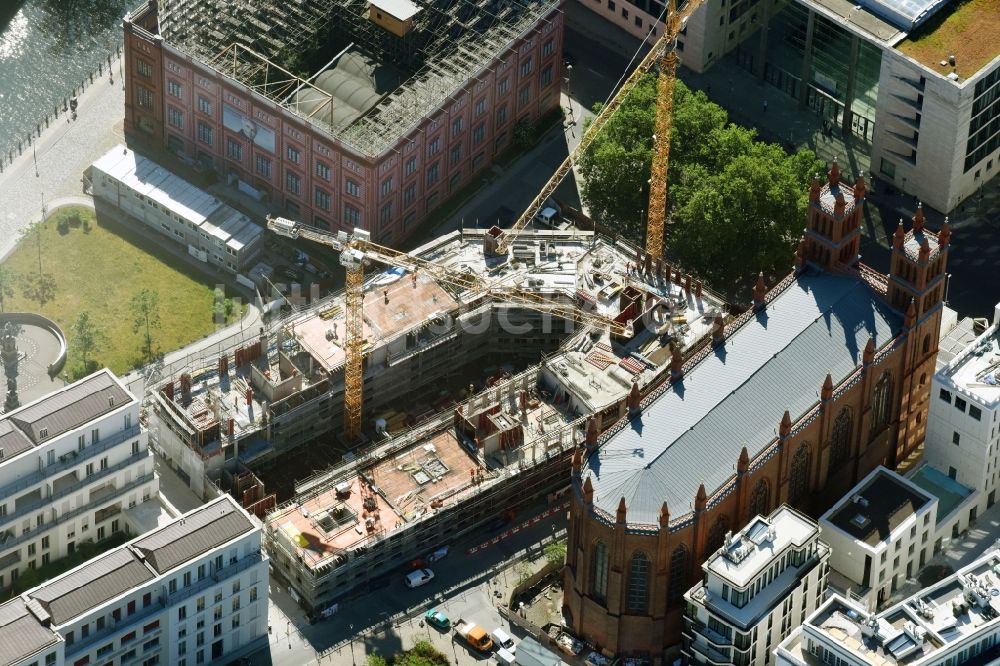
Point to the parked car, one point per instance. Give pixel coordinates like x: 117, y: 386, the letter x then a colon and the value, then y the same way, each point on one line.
x: 419, y: 577
x: 436, y: 618
x: 502, y: 640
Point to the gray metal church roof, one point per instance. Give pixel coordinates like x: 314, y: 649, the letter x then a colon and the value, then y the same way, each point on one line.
x: 693, y: 432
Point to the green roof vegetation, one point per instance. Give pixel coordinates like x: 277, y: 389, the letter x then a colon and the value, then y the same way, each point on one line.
x: 969, y: 31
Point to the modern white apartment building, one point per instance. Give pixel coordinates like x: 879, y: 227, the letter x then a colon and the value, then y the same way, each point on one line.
x: 925, y: 93
x: 763, y: 582
x: 963, y: 425
x: 191, y: 592
x: 71, y: 466
x: 955, y: 622
x: 881, y: 533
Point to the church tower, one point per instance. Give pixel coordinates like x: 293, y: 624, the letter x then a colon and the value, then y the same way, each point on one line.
x: 916, y: 285
x: 833, y: 231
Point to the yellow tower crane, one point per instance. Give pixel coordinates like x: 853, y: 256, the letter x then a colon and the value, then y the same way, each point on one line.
x: 664, y: 56
x: 357, y: 248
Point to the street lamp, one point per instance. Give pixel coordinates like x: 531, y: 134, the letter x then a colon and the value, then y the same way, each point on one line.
x: 351, y: 627
x: 569, y: 93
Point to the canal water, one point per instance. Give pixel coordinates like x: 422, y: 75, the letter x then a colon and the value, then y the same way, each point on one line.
x: 47, y: 47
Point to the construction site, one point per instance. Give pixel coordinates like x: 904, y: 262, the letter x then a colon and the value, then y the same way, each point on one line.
x: 471, y: 402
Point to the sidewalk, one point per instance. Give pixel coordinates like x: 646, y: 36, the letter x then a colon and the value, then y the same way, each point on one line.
x: 65, y: 149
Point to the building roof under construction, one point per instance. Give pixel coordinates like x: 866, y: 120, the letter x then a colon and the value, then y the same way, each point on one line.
x: 380, y: 84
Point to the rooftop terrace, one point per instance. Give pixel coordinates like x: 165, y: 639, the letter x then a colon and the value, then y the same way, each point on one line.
x: 967, y: 30
x: 976, y: 370
x: 960, y: 609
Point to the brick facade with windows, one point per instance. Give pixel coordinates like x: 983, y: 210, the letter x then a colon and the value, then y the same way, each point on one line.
x: 177, y: 102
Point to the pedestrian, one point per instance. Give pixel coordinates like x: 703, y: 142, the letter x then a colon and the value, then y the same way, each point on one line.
x: 765, y: 106
x: 708, y: 89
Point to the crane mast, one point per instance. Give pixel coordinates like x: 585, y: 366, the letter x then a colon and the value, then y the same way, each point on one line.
x: 662, y: 54
x: 356, y: 248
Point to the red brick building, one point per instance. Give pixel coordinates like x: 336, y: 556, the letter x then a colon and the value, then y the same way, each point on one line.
x: 825, y: 378
x: 405, y: 111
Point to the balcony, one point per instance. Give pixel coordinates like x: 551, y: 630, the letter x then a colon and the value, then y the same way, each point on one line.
x: 66, y: 489
x: 216, y: 577
x: 711, y: 636
x: 710, y: 655
x: 7, y: 540
x: 68, y: 461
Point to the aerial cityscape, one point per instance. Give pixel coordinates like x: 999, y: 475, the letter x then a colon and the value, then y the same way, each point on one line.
x: 518, y: 332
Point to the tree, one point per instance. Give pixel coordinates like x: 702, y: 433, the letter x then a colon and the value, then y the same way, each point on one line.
x: 146, y: 310
x: 421, y: 654
x: 88, y: 339
x: 8, y: 280
x: 737, y: 204
x: 39, y: 287
x: 376, y: 660
x: 555, y: 552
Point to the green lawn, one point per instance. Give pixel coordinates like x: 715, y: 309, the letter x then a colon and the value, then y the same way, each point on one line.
x: 968, y: 30
x: 98, y: 268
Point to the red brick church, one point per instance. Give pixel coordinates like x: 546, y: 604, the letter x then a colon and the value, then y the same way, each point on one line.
x: 826, y: 377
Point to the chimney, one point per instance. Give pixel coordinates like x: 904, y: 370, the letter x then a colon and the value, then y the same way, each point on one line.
x: 698, y: 286
x: 687, y: 283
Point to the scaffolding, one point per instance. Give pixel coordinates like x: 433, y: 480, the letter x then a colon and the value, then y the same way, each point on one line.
x: 450, y: 43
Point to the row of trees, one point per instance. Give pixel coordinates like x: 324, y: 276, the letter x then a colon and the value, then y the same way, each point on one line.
x: 737, y: 205
x: 421, y: 654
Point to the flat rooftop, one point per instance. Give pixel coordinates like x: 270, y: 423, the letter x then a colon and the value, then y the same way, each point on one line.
x: 757, y: 545
x: 967, y: 29
x: 976, y: 370
x: 960, y: 608
x: 445, y: 44
x: 872, y: 510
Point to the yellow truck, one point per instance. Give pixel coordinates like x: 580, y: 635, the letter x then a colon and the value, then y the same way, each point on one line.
x: 474, y: 635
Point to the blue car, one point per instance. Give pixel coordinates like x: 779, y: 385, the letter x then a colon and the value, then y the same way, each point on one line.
x: 437, y: 619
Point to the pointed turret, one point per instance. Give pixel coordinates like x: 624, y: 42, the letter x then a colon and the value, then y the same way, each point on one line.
x: 785, y: 428
x: 833, y: 175
x: 944, y: 236
x: 718, y: 330
x: 918, y: 218
x: 911, y: 315
x: 744, y: 462
x: 592, y: 433
x: 860, y: 190
x: 620, y: 514
x: 634, y: 399
x: 588, y: 491
x: 827, y: 391
x: 664, y: 516
x: 899, y: 236
x: 701, y: 499
x: 869, y: 354
x: 814, y: 189
x: 676, y: 364
x: 759, y: 292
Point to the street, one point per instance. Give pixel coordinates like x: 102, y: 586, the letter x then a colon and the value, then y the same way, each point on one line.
x: 391, y: 619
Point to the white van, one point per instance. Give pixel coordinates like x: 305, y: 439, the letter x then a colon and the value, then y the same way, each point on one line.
x: 547, y: 217
x: 503, y: 640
